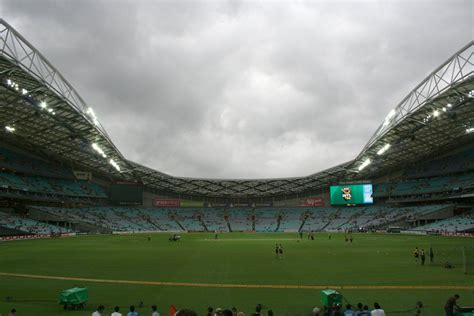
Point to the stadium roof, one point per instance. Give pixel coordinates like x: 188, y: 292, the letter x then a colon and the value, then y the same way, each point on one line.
x: 39, y: 108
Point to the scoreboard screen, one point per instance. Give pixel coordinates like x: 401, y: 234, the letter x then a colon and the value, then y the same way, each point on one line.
x: 351, y: 194
x: 124, y: 193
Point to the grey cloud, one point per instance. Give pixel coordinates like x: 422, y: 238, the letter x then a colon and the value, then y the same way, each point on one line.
x: 242, y: 89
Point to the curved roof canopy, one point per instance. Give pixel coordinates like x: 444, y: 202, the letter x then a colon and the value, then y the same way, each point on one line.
x: 39, y: 108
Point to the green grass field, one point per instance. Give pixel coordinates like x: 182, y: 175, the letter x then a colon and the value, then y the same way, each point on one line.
x: 214, y: 266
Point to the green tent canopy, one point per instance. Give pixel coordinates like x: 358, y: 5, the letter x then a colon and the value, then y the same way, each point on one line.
x: 330, y: 297
x: 74, y: 296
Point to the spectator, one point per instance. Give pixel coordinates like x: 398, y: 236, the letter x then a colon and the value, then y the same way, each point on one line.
x: 218, y: 312
x: 116, y: 311
x: 337, y: 310
x: 359, y: 309
x: 316, y: 311
x: 349, y: 311
x: 451, y: 304
x: 240, y: 314
x: 209, y: 311
x: 326, y: 311
x: 234, y: 311
x: 98, y: 312
x: 12, y: 312
x: 366, y: 311
x: 378, y: 311
x: 226, y: 312
x: 154, y: 311
x: 132, y: 311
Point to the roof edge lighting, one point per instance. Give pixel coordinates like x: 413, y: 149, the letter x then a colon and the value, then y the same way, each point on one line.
x: 114, y: 164
x: 364, y: 164
x: 99, y: 150
x: 383, y: 149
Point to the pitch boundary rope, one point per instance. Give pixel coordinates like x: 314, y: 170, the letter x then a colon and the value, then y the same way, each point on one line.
x: 244, y: 286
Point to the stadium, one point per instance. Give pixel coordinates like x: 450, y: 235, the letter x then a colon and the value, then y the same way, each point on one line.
x: 76, y: 213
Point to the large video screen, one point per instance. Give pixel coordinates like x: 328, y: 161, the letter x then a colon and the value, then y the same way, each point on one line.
x: 126, y: 193
x: 352, y: 194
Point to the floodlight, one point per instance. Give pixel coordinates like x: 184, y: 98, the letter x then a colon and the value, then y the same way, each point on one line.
x: 471, y: 94
x: 50, y: 110
x: 24, y: 91
x: 99, y: 150
x: 444, y: 109
x: 470, y: 130
x: 9, y: 82
x: 364, y: 164
x: 435, y: 113
x: 449, y: 105
x: 383, y: 149
x: 114, y: 164
x: 9, y: 129
x: 43, y: 105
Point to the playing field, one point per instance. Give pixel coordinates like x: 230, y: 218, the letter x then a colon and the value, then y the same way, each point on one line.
x: 236, y: 270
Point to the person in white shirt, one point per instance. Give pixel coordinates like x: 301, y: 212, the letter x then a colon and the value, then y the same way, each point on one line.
x: 116, y: 311
x: 378, y: 311
x: 99, y: 311
x: 154, y: 312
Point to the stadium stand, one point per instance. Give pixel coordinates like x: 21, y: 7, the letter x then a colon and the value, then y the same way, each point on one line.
x: 27, y: 225
x: 139, y: 219
x: 458, y: 162
x: 29, y: 164
x: 461, y: 223
x: 18, y: 184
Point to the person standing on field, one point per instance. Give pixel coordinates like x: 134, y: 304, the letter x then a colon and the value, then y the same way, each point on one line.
x: 98, y: 312
x: 422, y: 257
x: 416, y: 254
x: 431, y: 254
x: 154, y: 311
x: 450, y: 305
x: 116, y: 312
x: 132, y: 311
x: 378, y: 311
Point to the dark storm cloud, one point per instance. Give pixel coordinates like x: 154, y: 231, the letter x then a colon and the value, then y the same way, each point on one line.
x: 242, y: 89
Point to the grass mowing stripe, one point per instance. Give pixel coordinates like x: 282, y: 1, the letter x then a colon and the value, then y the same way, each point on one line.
x: 248, y: 286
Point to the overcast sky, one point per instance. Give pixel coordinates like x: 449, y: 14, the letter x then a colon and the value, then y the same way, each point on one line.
x: 232, y: 89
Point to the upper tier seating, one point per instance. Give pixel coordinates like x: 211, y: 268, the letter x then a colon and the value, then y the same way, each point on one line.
x: 424, y: 186
x: 458, y: 162
x: 28, y: 164
x: 78, y: 188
